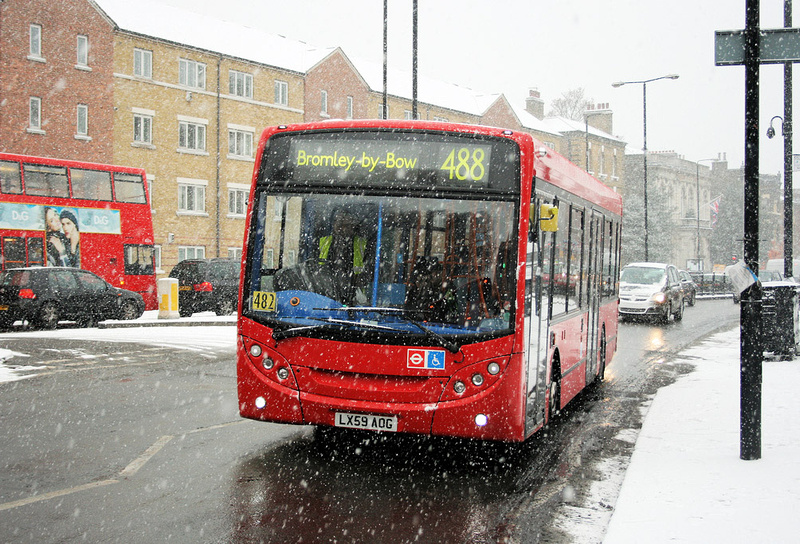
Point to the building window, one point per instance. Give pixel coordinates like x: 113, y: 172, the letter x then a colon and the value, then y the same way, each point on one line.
x: 191, y: 136
x: 240, y: 143
x: 83, y: 51
x: 237, y: 202
x: 142, y: 128
x: 35, y: 50
x: 270, y: 260
x: 191, y: 197
x: 240, y: 84
x: 143, y: 63
x: 383, y: 111
x: 324, y: 103
x: 439, y: 118
x: 281, y: 93
x: 191, y: 252
x: 192, y: 74
x: 408, y: 115
x: 235, y: 253
x: 35, y: 114
x: 82, y: 127
x: 349, y: 107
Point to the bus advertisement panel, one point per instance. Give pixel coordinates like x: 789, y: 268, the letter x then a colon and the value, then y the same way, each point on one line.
x: 66, y: 213
x: 400, y: 277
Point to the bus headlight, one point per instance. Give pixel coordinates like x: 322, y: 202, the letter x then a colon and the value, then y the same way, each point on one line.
x: 261, y: 402
x: 255, y: 350
x: 481, y: 420
x: 493, y: 368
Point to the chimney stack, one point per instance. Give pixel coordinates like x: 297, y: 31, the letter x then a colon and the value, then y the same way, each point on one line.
x: 534, y: 104
x: 600, y: 117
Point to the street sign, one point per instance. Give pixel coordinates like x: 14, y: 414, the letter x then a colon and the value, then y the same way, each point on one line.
x: 776, y: 46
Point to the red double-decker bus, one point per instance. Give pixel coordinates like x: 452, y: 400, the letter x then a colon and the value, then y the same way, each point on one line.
x: 97, y: 217
x: 423, y: 277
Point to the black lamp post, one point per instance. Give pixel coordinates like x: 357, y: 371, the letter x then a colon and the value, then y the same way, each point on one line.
x: 644, y: 147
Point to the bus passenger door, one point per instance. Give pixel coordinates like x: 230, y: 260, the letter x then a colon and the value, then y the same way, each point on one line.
x: 593, y: 291
x: 536, y: 318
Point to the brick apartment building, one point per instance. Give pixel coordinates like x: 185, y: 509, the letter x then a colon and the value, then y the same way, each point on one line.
x: 185, y: 97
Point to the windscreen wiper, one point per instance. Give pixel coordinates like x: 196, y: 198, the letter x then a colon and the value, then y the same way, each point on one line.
x: 452, y: 347
x: 326, y: 324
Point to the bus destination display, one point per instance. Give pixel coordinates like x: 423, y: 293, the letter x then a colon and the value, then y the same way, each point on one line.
x: 448, y: 163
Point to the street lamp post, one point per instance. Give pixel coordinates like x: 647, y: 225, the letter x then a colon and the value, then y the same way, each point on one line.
x: 697, y: 178
x: 644, y: 142
x: 786, y: 131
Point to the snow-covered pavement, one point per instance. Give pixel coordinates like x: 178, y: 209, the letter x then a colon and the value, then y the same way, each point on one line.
x: 686, y: 483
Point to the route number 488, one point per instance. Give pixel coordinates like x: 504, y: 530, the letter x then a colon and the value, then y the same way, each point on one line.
x: 464, y: 165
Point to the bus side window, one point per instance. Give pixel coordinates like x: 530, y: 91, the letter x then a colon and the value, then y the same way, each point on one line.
x: 10, y: 179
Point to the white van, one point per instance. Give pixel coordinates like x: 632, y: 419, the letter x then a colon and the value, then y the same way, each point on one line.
x: 777, y: 265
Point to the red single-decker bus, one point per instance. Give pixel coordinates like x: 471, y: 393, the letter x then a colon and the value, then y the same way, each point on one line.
x: 423, y: 277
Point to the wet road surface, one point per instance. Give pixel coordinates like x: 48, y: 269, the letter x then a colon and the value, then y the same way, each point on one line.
x: 144, y: 444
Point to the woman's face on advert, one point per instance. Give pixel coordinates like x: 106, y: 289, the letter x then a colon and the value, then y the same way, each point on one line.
x: 52, y: 220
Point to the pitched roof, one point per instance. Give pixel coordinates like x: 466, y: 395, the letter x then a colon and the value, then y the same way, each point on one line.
x: 161, y: 21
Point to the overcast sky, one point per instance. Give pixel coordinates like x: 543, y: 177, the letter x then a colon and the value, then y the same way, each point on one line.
x: 510, y: 46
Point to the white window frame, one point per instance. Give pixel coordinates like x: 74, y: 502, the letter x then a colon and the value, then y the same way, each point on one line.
x: 150, y: 179
x: 35, y: 42
x: 82, y: 121
x: 191, y: 252
x: 238, y: 196
x: 323, y: 108
x: 192, y: 134
x: 240, y: 142
x: 349, y: 107
x: 157, y: 258
x: 35, y: 115
x: 240, y: 84
x: 235, y: 253
x: 383, y: 111
x: 281, y: 93
x: 191, y: 73
x: 143, y: 63
x: 82, y: 52
x: 192, y: 196
x: 143, y: 127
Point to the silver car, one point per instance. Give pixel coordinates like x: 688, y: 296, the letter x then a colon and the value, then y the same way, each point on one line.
x: 651, y: 290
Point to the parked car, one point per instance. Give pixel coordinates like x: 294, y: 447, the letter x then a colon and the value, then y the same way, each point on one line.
x: 689, y: 287
x: 45, y: 296
x: 651, y: 290
x: 207, y: 285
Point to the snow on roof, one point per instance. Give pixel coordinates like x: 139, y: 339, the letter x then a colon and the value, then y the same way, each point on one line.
x: 561, y: 125
x: 158, y: 20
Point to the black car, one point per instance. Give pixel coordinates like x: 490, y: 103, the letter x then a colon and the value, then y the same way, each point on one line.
x: 207, y: 285
x: 45, y: 296
x: 689, y: 287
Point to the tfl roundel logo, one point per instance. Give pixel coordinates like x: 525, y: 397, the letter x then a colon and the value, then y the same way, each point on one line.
x: 432, y: 359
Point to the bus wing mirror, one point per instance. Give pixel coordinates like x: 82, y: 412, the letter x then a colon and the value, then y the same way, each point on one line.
x: 548, y: 218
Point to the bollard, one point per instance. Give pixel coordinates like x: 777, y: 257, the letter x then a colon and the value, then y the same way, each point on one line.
x: 168, y: 298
